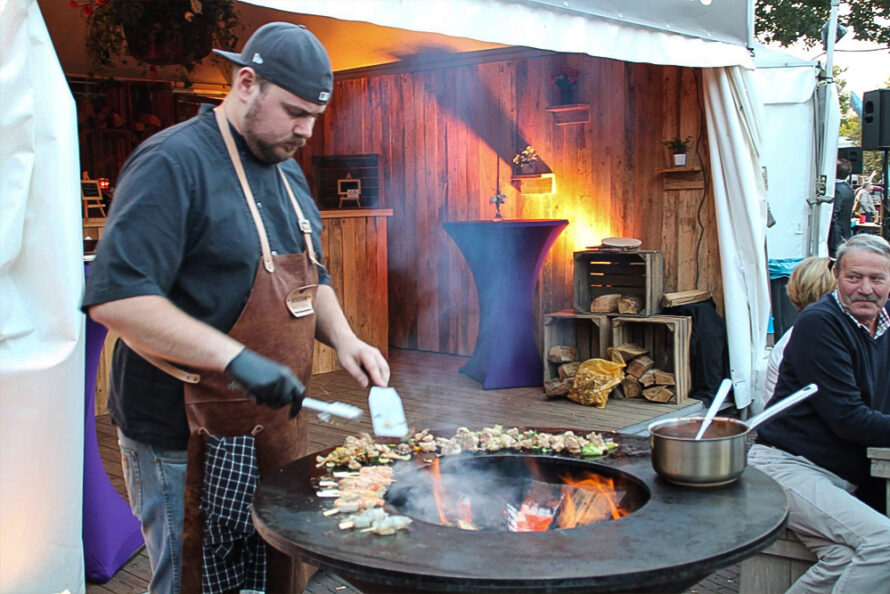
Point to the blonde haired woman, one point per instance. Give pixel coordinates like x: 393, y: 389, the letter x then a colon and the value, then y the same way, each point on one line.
x: 809, y: 280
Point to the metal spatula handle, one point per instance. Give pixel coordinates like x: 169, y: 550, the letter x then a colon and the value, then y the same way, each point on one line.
x: 336, y: 409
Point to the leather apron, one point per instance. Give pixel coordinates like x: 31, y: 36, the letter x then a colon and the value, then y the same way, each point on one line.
x: 278, y: 322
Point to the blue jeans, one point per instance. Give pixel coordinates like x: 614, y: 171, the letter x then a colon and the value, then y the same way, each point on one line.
x: 156, y: 487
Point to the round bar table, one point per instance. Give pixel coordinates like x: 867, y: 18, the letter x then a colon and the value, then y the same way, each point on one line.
x: 111, y: 533
x: 505, y: 257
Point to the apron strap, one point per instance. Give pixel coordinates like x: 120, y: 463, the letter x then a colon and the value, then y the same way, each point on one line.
x: 180, y: 374
x: 305, y: 227
x: 223, y: 125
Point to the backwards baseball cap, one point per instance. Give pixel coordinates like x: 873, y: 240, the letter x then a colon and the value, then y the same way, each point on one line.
x: 291, y: 57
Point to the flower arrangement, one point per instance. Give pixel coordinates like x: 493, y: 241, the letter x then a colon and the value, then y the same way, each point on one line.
x: 527, y: 156
x: 677, y: 145
x: 156, y: 33
x: 566, y: 78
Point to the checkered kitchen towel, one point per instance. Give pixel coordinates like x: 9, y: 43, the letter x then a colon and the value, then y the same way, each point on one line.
x: 234, y: 554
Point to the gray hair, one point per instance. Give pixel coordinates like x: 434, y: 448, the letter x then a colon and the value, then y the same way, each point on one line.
x: 865, y: 242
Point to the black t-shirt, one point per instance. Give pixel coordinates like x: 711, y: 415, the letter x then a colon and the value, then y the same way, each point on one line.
x: 180, y: 228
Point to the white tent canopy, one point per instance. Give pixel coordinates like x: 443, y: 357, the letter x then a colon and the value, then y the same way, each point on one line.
x: 676, y: 32
x: 41, y: 329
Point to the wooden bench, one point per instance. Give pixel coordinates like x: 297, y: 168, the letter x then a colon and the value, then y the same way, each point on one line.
x: 773, y: 570
x: 880, y: 467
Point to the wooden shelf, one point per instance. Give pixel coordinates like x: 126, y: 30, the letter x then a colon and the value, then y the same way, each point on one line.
x: 576, y: 113
x: 688, y: 177
x: 684, y: 169
x: 534, y: 183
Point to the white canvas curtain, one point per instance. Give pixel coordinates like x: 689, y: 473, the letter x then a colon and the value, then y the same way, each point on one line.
x: 41, y: 327
x: 733, y: 118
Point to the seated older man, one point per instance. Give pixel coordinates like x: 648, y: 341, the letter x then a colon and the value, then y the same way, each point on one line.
x: 817, y: 450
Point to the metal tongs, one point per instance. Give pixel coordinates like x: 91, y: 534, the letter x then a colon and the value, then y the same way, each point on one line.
x: 387, y: 414
x: 327, y: 410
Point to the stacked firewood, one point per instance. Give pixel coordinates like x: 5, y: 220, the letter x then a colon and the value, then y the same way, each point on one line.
x: 566, y: 359
x: 642, y: 378
x: 617, y: 303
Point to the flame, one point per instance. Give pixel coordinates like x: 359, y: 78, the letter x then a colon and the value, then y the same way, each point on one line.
x: 439, y: 491
x: 587, y: 500
x: 574, y: 502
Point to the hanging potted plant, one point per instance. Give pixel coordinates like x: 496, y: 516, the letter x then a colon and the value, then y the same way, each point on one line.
x: 156, y: 32
x: 678, y: 147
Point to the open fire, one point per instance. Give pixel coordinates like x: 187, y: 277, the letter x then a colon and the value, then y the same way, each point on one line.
x: 513, y: 493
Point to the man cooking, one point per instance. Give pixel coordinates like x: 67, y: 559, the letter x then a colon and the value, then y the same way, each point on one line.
x: 209, y: 270
x: 817, y: 450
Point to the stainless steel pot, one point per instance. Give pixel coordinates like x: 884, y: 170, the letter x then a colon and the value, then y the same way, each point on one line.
x: 720, y: 456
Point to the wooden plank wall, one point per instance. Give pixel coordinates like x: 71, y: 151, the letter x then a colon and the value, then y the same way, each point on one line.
x: 354, y: 243
x: 441, y: 133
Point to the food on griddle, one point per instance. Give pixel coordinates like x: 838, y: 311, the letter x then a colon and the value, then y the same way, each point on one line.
x: 375, y: 520
x: 493, y: 439
x: 358, y: 451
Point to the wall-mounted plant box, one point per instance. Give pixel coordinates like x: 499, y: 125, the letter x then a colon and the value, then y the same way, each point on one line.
x: 577, y: 113
x: 534, y: 183
x: 688, y: 177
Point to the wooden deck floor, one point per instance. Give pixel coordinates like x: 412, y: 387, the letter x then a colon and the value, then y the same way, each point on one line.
x: 434, y: 395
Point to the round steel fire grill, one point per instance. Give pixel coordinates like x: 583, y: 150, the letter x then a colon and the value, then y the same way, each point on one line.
x: 676, y: 538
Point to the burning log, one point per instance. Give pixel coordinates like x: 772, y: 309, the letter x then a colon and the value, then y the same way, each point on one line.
x: 605, y: 303
x: 639, y: 366
x: 562, y: 354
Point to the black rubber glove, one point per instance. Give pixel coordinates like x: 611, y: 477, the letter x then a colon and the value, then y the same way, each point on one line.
x: 269, y: 383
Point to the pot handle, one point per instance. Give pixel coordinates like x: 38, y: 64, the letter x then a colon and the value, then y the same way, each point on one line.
x: 781, y: 405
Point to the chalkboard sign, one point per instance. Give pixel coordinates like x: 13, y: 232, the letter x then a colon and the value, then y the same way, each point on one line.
x: 90, y: 189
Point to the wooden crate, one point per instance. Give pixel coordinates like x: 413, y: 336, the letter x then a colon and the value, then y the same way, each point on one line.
x: 590, y: 333
x: 667, y: 340
x: 601, y: 272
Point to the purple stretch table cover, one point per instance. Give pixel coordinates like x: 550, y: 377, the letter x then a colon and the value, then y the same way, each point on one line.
x: 111, y: 533
x: 505, y: 258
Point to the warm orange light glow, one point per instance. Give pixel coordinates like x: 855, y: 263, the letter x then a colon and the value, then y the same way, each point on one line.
x: 438, y: 491
x: 104, y: 183
x: 588, y: 500
x: 586, y: 228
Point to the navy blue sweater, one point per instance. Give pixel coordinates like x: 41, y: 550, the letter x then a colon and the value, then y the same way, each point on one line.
x: 851, y: 410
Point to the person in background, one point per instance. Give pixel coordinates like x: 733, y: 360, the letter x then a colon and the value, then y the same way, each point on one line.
x: 210, y: 271
x: 817, y: 449
x: 865, y: 201
x: 809, y: 280
x: 842, y: 212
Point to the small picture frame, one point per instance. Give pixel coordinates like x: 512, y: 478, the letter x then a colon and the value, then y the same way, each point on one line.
x: 90, y: 190
x: 349, y: 188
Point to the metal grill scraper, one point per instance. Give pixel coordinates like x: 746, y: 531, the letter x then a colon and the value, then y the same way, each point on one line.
x: 387, y: 414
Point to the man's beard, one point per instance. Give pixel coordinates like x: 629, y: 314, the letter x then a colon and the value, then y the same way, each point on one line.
x: 267, y: 152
